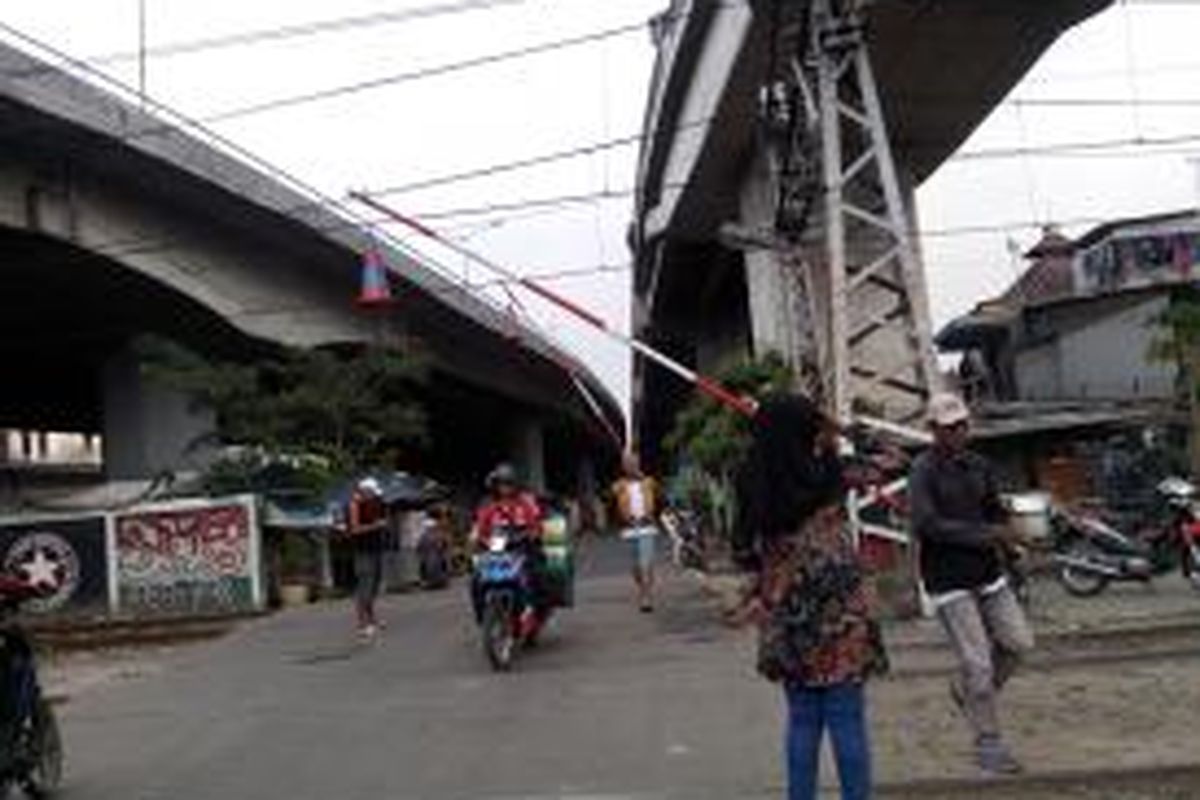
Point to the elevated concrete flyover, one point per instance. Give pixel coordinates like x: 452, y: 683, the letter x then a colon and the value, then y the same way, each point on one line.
x: 114, y: 223
x: 941, y: 65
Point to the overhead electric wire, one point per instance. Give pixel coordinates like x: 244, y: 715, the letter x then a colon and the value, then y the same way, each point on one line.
x: 535, y: 202
x: 1074, y: 147
x: 1103, y: 102
x: 602, y: 145
x: 422, y: 73
x: 444, y: 274
x: 300, y: 29
x: 438, y: 70
x: 1062, y: 148
x: 508, y: 166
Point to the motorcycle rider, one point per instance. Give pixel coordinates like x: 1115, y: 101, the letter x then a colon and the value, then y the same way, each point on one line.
x: 509, y: 506
x: 959, y: 523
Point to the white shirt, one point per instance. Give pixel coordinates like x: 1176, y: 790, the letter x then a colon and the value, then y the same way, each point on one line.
x: 939, y: 600
x: 637, y: 500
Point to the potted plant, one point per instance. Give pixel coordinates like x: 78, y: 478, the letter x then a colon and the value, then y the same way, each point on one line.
x: 295, y: 570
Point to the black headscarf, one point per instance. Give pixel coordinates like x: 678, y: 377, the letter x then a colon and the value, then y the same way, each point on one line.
x: 783, y: 481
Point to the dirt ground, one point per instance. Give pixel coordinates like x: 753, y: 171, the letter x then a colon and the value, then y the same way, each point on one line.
x: 1106, y: 708
x: 1111, y: 698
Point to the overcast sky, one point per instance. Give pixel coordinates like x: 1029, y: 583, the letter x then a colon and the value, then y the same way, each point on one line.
x: 416, y: 129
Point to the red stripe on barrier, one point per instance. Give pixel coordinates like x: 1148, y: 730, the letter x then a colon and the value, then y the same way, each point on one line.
x: 565, y: 304
x: 739, y: 403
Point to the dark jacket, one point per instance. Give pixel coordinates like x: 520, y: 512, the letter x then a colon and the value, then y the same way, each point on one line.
x: 953, y: 500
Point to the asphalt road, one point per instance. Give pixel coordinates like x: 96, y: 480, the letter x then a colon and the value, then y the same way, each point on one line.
x: 613, y: 704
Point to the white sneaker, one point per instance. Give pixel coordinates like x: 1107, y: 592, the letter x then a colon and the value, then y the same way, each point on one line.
x: 368, y: 632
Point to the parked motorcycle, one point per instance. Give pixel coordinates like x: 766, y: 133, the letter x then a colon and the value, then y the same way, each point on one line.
x: 31, y: 751
x: 687, y: 542
x: 510, y: 617
x: 1090, y: 553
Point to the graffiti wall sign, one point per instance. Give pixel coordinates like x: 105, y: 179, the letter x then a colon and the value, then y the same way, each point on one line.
x: 187, y: 557
x: 65, y: 556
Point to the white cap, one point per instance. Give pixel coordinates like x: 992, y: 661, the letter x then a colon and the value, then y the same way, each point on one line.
x: 946, y: 409
x: 370, y: 486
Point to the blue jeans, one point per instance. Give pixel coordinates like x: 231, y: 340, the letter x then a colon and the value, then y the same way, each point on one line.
x: 842, y: 710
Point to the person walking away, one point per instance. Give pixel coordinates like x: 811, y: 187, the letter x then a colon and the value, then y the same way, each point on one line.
x: 636, y: 505
x: 959, y: 523
x: 510, y: 507
x: 366, y: 525
x: 818, y: 637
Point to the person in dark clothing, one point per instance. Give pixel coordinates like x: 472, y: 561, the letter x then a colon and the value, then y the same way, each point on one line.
x: 818, y: 637
x: 960, y: 526
x: 791, y: 463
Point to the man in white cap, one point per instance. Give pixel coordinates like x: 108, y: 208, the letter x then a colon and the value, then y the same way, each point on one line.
x: 959, y: 523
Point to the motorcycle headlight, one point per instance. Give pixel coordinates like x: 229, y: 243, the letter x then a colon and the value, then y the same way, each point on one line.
x: 498, y: 544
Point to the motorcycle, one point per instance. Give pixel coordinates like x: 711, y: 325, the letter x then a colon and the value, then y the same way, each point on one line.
x: 509, y: 615
x: 31, y: 751
x: 1090, y: 553
x: 687, y: 543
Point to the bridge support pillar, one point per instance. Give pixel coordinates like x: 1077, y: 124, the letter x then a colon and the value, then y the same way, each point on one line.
x: 529, y: 452
x: 148, y: 428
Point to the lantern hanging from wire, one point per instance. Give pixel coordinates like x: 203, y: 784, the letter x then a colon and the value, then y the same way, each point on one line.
x: 374, y: 288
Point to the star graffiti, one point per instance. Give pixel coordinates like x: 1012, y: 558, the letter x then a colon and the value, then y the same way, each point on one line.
x: 48, y: 562
x: 43, y: 570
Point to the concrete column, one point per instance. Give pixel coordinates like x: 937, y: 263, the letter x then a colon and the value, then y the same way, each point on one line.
x: 586, y: 481
x: 149, y: 428
x: 771, y: 323
x: 529, y: 453
x: 323, y: 542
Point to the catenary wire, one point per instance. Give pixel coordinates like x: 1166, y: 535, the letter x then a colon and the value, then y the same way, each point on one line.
x: 301, y: 29
x: 1058, y: 148
x: 438, y: 70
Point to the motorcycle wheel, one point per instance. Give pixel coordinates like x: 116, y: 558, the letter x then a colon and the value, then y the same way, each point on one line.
x: 46, y: 754
x: 1077, y: 582
x: 499, y: 642
x: 693, y: 558
x: 434, y: 572
x: 1191, y: 567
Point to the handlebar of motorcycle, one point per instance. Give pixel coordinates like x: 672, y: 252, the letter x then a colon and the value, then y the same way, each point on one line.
x: 15, y: 590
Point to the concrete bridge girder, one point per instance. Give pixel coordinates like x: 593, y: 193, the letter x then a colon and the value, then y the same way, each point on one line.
x: 98, y: 193
x: 257, y: 290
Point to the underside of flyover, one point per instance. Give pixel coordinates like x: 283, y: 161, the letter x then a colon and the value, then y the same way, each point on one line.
x: 702, y: 321
x: 68, y: 317
x: 64, y: 312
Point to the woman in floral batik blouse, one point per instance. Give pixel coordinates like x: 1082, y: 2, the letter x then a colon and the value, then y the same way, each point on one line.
x: 818, y: 638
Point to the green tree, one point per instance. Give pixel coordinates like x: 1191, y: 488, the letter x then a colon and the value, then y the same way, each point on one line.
x: 708, y: 440
x: 1179, y: 343
x: 712, y: 436
x: 349, y: 407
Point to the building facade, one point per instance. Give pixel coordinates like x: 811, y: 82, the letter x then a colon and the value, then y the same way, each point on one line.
x: 1084, y: 320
